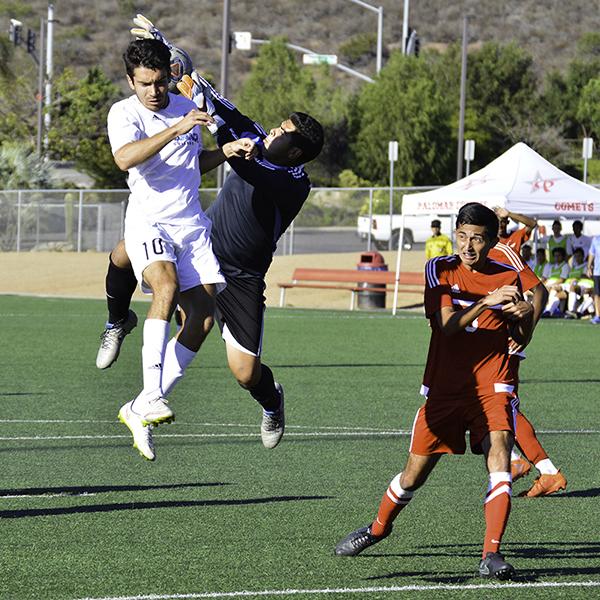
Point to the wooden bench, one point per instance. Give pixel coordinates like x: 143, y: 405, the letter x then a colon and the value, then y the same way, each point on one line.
x: 353, y: 281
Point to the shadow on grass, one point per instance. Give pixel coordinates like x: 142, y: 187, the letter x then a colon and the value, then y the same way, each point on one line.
x: 345, y: 365
x: 99, y: 508
x: 548, y: 551
x: 7, y: 394
x: 99, y: 489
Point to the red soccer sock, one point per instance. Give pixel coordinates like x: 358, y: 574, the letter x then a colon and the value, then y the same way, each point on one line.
x: 393, y: 501
x: 496, y: 509
x: 527, y: 440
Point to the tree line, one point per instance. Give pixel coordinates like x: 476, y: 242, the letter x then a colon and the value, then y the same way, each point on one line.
x: 414, y: 100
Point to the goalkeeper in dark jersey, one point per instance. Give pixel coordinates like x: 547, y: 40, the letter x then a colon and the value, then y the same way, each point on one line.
x: 260, y: 198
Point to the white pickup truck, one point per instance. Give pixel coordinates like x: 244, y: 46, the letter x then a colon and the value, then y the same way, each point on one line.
x: 416, y: 229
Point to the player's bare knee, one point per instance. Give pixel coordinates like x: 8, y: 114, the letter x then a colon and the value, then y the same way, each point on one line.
x: 119, y: 256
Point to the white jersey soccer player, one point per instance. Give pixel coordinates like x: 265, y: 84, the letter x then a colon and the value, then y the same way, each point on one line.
x: 164, y: 220
x: 155, y: 137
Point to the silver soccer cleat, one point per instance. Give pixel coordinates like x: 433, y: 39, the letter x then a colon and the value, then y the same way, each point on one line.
x: 111, y: 339
x: 273, y: 423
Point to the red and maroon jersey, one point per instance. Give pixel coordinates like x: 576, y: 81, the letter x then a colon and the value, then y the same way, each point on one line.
x: 516, y: 238
x: 476, y: 358
x: 504, y: 253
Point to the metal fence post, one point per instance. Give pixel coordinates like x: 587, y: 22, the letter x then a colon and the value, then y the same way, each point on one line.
x: 19, y: 221
x: 80, y: 221
x: 291, y: 247
x: 99, y: 230
x: 369, y: 237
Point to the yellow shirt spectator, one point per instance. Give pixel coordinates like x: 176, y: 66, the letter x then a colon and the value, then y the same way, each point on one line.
x: 438, y: 244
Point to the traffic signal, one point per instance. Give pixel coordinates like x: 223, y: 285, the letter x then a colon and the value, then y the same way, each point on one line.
x: 14, y: 32
x: 30, y: 41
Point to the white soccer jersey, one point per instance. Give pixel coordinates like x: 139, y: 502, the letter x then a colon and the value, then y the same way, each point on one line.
x: 164, y: 188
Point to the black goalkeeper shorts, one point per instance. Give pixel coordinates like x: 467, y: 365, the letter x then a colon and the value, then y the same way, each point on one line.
x: 240, y: 313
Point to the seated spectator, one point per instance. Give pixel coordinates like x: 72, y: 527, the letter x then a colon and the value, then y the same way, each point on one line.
x: 438, y: 244
x: 556, y: 239
x: 527, y: 256
x: 516, y: 238
x: 578, y: 240
x: 553, y: 276
x: 540, y: 262
x: 577, y: 288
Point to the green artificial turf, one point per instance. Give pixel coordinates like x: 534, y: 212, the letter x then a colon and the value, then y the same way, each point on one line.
x: 83, y: 516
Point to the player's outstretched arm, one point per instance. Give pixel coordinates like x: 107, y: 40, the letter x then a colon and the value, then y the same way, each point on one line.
x: 134, y: 153
x: 242, y: 148
x: 529, y: 222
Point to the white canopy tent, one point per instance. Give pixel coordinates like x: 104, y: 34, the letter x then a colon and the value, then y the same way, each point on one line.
x: 519, y: 180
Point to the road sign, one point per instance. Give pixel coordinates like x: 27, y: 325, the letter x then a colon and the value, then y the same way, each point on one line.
x: 319, y: 59
x: 242, y: 40
x: 588, y: 147
x: 469, y: 149
x: 393, y: 151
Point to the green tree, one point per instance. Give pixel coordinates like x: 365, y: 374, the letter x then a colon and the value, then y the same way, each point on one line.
x: 276, y: 86
x: 501, y: 95
x: 78, y: 131
x: 21, y: 168
x: 588, y: 110
x: 560, y: 101
x: 404, y: 104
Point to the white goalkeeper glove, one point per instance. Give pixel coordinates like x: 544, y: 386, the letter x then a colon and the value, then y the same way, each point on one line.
x: 145, y: 29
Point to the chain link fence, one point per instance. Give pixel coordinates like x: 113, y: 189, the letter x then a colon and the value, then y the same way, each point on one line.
x: 92, y: 220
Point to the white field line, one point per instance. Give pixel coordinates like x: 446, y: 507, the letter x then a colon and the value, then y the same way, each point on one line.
x: 324, y: 434
x: 364, y: 590
x: 342, y: 430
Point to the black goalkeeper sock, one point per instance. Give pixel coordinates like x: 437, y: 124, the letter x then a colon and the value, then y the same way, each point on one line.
x: 120, y: 285
x: 264, y: 391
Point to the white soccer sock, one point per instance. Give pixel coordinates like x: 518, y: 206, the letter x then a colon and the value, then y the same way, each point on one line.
x: 546, y: 467
x: 496, y: 478
x: 514, y: 455
x: 572, y: 303
x: 553, y: 302
x: 156, y: 334
x: 585, y: 305
x: 402, y: 495
x: 177, y: 359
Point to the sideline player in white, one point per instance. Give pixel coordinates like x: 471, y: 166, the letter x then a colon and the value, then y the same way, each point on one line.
x: 155, y: 137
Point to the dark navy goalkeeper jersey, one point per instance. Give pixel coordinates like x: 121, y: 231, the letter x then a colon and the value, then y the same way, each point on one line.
x: 257, y: 203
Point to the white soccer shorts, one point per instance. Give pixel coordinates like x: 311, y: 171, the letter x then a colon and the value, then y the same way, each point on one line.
x: 188, y: 246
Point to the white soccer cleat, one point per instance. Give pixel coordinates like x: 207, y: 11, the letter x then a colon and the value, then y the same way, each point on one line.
x: 152, y: 411
x: 142, y: 434
x: 111, y: 339
x: 273, y: 423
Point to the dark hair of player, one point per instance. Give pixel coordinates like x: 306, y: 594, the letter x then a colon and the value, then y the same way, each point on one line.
x: 308, y: 136
x: 150, y: 54
x: 474, y: 213
x: 559, y: 250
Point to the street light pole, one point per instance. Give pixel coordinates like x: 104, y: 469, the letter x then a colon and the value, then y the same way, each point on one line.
x: 40, y: 93
x: 463, y: 94
x: 405, y: 27
x: 225, y: 47
x: 49, y: 67
x: 379, y: 11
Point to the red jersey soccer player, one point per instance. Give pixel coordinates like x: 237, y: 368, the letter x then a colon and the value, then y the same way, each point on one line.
x: 551, y: 480
x: 474, y: 305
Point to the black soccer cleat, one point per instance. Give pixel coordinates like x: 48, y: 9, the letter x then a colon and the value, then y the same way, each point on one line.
x: 357, y: 541
x: 493, y: 566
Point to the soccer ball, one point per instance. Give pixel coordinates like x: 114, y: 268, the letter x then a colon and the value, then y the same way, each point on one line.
x: 181, y: 64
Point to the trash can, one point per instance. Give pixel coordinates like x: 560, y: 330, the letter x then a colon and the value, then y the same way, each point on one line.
x: 370, y: 298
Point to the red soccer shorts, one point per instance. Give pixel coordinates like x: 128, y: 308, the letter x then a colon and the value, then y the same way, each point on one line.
x: 441, y: 423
